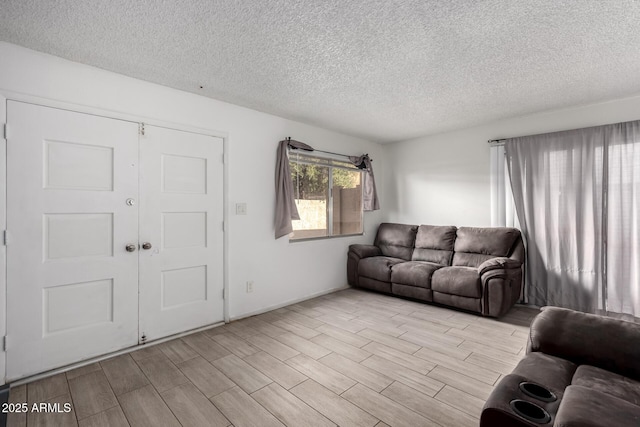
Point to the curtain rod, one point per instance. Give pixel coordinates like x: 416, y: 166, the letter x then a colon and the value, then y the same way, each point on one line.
x: 497, y: 141
x: 327, y: 152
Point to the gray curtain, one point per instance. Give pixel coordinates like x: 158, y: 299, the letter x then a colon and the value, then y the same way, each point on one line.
x: 286, y: 210
x: 369, y: 193
x: 577, y: 195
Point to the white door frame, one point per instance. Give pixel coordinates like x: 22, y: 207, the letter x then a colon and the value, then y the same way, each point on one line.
x: 87, y: 109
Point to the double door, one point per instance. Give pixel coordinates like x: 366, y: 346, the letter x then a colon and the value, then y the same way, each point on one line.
x: 115, y: 235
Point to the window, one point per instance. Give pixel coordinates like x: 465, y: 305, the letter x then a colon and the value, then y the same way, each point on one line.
x: 328, y: 195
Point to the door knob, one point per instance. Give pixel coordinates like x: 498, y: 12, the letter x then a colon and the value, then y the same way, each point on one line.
x: 146, y: 245
x: 130, y: 247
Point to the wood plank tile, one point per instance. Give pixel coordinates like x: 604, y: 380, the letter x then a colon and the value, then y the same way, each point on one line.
x: 465, y: 368
x: 241, y: 328
x: 288, y: 408
x: 192, y: 408
x: 83, y: 370
x: 437, y: 318
x: 209, y: 380
x: 302, y: 345
x: 320, y: 373
x: 17, y: 395
x: 424, y: 384
x: 162, y: 373
x: 341, y: 323
x: 485, y: 362
x: 414, y: 323
x: 266, y: 328
x: 303, y: 319
x: 273, y: 347
x: 461, y: 382
x: 145, y: 408
x: 381, y: 424
x: 510, y: 344
x: 461, y: 400
x: 407, y: 360
x: 205, y: 346
x: 91, y: 394
x: 378, y: 326
x: 235, y: 344
x: 243, y: 411
x: 428, y: 336
x: 344, y: 336
x: 339, y: 410
x: 278, y: 371
x: 431, y: 408
x: 177, y: 351
x: 390, y: 341
x: 54, y: 419
x: 347, y: 350
x: 384, y: 408
x: 494, y: 353
x: 357, y: 372
x: 47, y: 388
x: 296, y: 328
x: 144, y: 352
x: 309, y: 312
x: 123, y: 374
x: 423, y: 340
x: 113, y: 417
x: 241, y: 373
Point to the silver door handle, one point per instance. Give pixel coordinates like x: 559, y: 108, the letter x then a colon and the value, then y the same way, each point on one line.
x: 130, y: 247
x: 146, y: 245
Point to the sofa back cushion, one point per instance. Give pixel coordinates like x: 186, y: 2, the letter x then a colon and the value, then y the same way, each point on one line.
x: 434, y: 244
x: 476, y: 245
x: 396, y: 240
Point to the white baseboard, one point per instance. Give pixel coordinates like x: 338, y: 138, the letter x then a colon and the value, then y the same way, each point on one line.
x: 289, y: 302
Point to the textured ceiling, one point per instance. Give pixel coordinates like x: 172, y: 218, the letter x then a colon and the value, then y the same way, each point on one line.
x: 379, y: 69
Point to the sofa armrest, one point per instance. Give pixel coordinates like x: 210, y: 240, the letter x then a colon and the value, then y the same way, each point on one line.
x: 365, y: 251
x: 499, y: 263
x: 590, y: 339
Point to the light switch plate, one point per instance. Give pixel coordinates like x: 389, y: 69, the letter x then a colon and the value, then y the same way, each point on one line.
x: 241, y: 208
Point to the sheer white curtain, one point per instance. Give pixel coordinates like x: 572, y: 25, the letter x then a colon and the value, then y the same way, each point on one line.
x: 577, y: 195
x: 503, y: 209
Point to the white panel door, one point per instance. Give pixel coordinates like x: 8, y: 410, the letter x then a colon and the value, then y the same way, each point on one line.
x: 72, y: 287
x: 181, y: 237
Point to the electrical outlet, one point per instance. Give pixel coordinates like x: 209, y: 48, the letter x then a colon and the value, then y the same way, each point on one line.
x: 250, y: 286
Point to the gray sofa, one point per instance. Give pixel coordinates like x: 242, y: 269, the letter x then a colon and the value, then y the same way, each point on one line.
x: 475, y: 269
x: 580, y: 370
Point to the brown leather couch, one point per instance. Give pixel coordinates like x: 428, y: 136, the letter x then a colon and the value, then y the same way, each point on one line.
x: 580, y: 370
x: 475, y: 269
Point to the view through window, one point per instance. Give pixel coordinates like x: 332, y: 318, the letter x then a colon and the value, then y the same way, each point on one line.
x: 328, y: 195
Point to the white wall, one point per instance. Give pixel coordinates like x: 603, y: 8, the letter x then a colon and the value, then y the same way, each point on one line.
x: 281, y: 271
x: 444, y: 179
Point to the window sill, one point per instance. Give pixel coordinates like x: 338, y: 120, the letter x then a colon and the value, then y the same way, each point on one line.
x: 310, y: 239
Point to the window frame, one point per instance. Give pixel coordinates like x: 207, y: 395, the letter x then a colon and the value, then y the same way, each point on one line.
x: 330, y: 162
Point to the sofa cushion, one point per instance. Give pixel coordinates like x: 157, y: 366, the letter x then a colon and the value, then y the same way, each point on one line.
x: 396, y: 240
x: 584, y: 407
x: 607, y: 382
x: 434, y: 244
x: 377, y: 267
x: 414, y: 273
x: 462, y: 281
x: 474, y: 246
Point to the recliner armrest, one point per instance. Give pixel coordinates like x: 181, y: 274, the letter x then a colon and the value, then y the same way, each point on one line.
x: 365, y: 251
x: 582, y: 338
x: 499, y: 263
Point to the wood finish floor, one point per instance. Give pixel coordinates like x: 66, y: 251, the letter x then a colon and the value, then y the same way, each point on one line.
x: 351, y: 358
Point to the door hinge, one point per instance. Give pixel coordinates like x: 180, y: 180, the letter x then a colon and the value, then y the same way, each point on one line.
x: 143, y: 338
x: 4, y: 343
x: 222, y: 225
x: 141, y: 128
x: 223, y: 158
x: 222, y: 293
x: 5, y: 238
x: 5, y: 131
